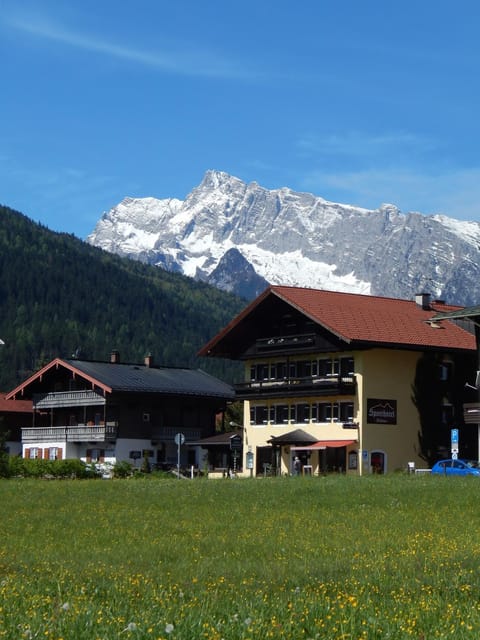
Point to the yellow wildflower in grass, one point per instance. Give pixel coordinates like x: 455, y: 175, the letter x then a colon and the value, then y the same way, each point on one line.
x: 276, y: 578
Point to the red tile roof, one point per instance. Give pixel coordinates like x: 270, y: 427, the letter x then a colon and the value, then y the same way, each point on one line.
x: 364, y: 319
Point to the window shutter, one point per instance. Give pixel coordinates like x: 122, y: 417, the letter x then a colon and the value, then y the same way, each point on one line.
x: 59, y: 453
x: 89, y: 455
x: 27, y: 453
x: 102, y: 455
x: 46, y: 453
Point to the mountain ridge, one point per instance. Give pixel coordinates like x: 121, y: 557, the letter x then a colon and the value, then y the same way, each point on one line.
x: 60, y: 296
x: 282, y: 236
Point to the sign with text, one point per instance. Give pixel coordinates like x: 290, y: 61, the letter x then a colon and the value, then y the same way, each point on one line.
x: 381, y: 411
x: 454, y: 443
x: 235, y: 443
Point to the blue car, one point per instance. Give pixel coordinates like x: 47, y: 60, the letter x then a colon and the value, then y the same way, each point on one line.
x: 457, y: 468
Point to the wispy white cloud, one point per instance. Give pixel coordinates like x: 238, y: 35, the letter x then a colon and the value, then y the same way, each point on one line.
x: 357, y: 143
x: 175, y: 59
x: 455, y: 193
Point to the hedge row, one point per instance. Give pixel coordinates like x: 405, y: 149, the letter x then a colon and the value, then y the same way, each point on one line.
x: 38, y: 468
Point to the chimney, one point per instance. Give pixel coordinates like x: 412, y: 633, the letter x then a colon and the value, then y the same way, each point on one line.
x: 149, y: 360
x: 115, y: 357
x: 423, y: 301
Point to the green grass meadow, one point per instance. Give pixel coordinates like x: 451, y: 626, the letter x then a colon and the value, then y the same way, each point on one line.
x: 331, y: 557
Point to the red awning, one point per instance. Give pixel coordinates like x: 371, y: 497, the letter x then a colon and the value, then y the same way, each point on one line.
x: 324, y: 444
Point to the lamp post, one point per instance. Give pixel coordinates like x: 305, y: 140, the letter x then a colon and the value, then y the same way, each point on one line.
x: 249, y: 453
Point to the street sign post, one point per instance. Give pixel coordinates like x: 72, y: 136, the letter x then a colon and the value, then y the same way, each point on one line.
x: 179, y: 440
x: 235, y: 447
x: 454, y: 443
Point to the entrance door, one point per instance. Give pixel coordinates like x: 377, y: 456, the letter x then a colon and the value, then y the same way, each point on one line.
x: 377, y: 462
x: 265, y: 461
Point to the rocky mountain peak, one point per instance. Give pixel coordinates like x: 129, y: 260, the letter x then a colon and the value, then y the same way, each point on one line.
x: 239, y: 236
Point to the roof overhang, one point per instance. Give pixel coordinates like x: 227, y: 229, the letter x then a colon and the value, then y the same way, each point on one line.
x: 324, y: 444
x: 218, y: 440
x: 57, y: 363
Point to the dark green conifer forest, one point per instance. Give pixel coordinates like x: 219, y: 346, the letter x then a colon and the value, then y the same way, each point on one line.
x: 61, y: 297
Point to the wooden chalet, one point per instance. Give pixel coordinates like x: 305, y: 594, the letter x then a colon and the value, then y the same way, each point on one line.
x: 112, y: 411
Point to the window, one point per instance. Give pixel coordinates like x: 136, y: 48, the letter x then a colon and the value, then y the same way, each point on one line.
x: 311, y: 368
x: 280, y: 414
x: 33, y: 453
x: 347, y: 367
x: 54, y: 453
x: 302, y: 412
x: 445, y: 372
x: 335, y: 412
x: 334, y: 367
x: 260, y: 371
x: 278, y: 370
x: 323, y: 368
x: 146, y: 417
x: 346, y: 412
x: 328, y: 411
x: 324, y: 411
x: 258, y: 414
x: 304, y: 368
x: 293, y: 413
x: 95, y: 455
x: 263, y: 372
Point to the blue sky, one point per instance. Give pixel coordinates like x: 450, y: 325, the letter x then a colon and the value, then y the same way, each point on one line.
x: 358, y: 102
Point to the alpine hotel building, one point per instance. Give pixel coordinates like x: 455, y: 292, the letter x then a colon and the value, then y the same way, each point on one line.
x: 329, y: 378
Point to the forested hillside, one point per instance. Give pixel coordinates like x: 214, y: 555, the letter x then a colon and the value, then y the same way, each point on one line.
x: 60, y: 297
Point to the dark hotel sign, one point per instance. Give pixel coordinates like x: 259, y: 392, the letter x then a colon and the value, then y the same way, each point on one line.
x: 381, y: 411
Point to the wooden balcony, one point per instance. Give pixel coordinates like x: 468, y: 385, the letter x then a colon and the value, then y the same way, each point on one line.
x: 85, y: 398
x: 296, y: 387
x: 77, y: 433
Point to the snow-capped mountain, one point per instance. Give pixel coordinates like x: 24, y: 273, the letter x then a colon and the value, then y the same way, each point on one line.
x: 240, y: 237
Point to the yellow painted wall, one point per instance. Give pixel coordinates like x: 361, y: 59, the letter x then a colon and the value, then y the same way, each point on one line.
x: 380, y: 373
x: 389, y: 374
x: 259, y: 435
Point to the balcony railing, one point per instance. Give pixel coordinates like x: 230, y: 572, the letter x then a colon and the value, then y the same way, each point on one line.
x: 282, y: 343
x: 77, y: 433
x: 291, y: 387
x: 86, y: 398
